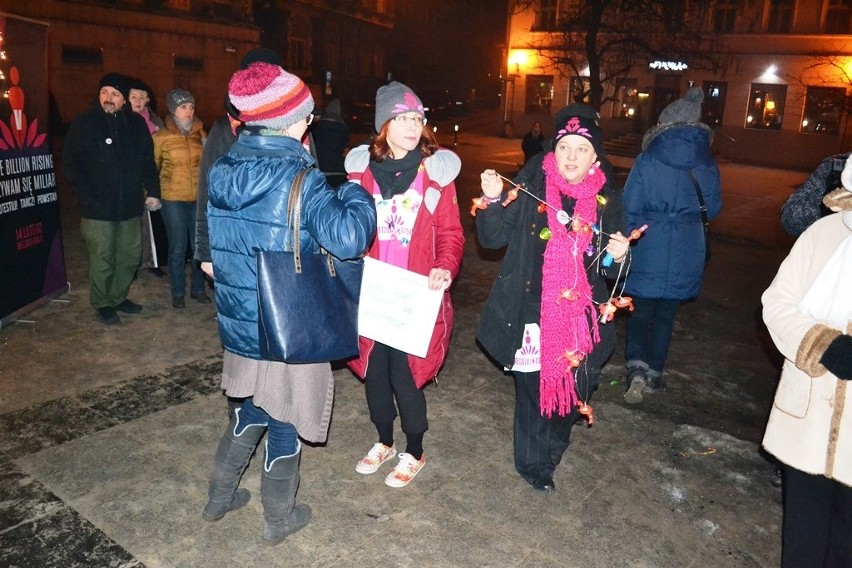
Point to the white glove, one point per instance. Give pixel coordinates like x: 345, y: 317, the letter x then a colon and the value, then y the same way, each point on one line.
x: 153, y: 204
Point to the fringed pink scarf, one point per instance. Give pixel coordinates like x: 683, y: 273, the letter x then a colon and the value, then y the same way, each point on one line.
x: 566, y: 332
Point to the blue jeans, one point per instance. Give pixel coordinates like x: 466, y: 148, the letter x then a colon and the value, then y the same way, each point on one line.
x: 179, y: 217
x: 282, y: 437
x: 649, y: 331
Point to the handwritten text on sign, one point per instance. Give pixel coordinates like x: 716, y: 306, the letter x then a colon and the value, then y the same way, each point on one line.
x: 397, y: 307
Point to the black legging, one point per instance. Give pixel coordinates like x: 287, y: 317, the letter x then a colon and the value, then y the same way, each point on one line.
x: 539, y: 441
x: 817, y: 522
x: 388, y: 378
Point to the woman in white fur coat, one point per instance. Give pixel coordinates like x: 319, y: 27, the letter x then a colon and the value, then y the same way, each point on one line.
x: 808, y: 311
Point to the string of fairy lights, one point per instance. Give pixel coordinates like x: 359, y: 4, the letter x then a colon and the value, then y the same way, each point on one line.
x: 3, y: 59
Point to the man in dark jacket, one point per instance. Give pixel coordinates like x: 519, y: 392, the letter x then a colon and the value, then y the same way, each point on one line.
x: 108, y: 160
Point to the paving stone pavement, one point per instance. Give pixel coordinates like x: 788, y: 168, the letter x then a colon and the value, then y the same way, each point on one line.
x: 107, y: 435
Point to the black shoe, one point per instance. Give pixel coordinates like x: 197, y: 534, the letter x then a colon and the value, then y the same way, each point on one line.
x: 777, y: 479
x: 201, y: 297
x: 545, y: 485
x: 178, y: 302
x: 107, y: 316
x: 157, y: 271
x: 653, y: 381
x: 129, y: 307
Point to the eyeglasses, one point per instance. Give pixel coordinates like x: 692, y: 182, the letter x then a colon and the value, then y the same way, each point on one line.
x: 310, y: 119
x: 405, y: 119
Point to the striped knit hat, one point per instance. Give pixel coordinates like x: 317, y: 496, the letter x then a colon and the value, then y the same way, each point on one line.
x: 268, y: 96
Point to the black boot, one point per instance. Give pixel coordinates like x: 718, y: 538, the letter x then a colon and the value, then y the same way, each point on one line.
x: 653, y: 381
x: 278, y: 486
x: 232, y: 457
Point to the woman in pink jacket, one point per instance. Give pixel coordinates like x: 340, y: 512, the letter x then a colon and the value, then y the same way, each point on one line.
x: 411, y: 179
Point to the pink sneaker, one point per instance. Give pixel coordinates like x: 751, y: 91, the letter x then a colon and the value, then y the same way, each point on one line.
x: 377, y: 455
x: 405, y: 470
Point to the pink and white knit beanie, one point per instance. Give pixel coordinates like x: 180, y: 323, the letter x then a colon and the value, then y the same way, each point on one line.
x: 268, y: 96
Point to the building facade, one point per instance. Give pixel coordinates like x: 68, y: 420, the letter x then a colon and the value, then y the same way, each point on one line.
x: 335, y: 46
x: 780, y: 98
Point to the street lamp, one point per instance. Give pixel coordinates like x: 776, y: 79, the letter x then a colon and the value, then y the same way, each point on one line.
x: 517, y: 58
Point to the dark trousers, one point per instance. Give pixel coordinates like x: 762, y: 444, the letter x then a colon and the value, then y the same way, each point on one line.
x: 114, y: 249
x: 649, y: 331
x: 817, y: 522
x: 539, y: 441
x: 388, y: 379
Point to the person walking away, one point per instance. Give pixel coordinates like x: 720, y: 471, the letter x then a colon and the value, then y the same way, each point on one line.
x: 108, y: 160
x: 808, y: 312
x: 412, y: 182
x: 177, y: 151
x: 249, y: 190
x: 662, y: 191
x: 330, y: 137
x: 532, y: 142
x: 540, y: 320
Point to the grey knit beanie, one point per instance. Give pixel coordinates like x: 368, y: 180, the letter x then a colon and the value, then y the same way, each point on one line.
x: 393, y: 99
x: 177, y: 97
x: 684, y: 110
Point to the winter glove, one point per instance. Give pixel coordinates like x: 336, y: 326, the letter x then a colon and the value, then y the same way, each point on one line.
x: 838, y: 357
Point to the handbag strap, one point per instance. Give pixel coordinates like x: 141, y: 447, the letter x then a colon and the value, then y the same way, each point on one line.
x: 701, y: 206
x: 294, y: 217
x: 294, y: 220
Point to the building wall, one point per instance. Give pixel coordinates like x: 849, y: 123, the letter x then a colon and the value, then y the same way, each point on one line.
x: 141, y: 44
x: 144, y: 38
x: 751, y: 52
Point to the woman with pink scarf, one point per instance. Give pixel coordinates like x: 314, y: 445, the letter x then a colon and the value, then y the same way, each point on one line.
x: 541, y: 319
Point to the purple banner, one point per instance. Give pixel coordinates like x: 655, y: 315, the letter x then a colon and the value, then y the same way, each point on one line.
x: 32, y: 265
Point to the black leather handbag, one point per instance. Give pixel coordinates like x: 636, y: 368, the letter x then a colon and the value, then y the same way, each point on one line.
x: 307, y: 303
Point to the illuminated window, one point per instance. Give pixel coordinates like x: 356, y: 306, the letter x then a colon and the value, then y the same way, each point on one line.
x: 539, y: 94
x: 838, y: 15
x: 578, y: 90
x: 724, y: 16
x: 823, y: 107
x: 546, y: 15
x: 766, y: 106
x: 713, y: 109
x: 780, y: 16
x: 627, y: 98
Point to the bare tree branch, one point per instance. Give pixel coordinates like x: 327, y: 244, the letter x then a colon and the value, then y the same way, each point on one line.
x: 614, y: 37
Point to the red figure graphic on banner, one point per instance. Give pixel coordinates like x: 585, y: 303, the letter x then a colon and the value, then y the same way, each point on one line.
x: 16, y: 101
x: 22, y: 134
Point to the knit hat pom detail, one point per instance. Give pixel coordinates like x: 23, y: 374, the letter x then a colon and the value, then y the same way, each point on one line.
x: 252, y: 80
x: 269, y: 96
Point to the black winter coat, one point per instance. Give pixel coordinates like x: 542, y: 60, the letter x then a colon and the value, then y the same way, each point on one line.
x: 108, y: 159
x: 515, y: 298
x: 219, y: 141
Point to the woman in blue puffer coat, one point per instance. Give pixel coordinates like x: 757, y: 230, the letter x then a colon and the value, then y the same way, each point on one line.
x: 668, y: 261
x: 249, y: 188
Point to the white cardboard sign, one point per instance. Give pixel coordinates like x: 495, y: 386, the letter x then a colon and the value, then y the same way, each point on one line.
x: 397, y: 307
